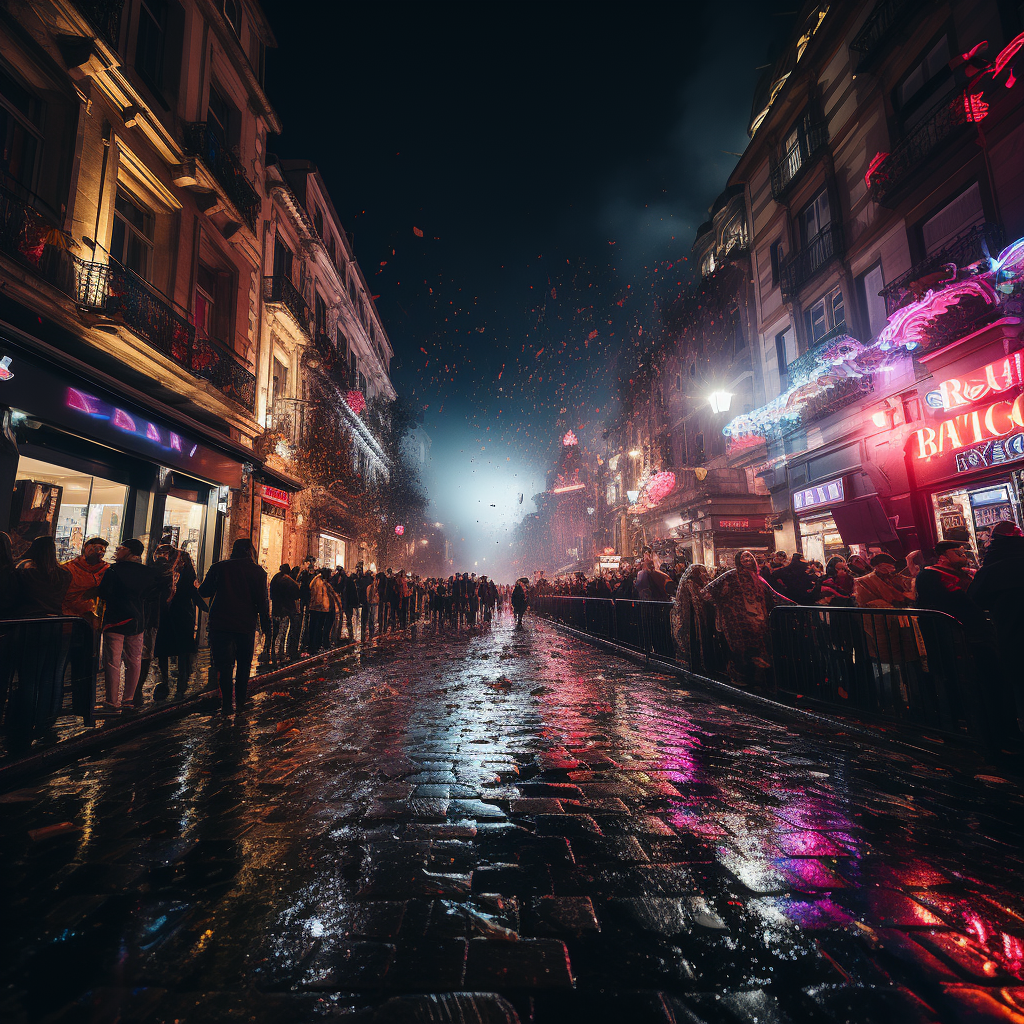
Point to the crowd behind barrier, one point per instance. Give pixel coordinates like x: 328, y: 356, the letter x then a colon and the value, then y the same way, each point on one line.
x: 82, y: 638
x: 930, y: 644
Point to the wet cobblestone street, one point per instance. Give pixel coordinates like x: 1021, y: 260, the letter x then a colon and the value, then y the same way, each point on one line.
x: 505, y: 826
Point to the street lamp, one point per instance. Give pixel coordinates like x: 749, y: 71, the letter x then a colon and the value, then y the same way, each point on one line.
x: 635, y: 453
x: 632, y: 495
x: 720, y: 401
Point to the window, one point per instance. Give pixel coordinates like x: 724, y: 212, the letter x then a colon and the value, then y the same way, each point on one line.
x: 318, y: 222
x: 342, y: 344
x: 331, y: 250
x: 956, y: 217
x: 775, y: 254
x: 869, y: 285
x: 233, y: 16
x: 149, y: 49
x: 925, y: 82
x: 698, y: 447
x: 21, y: 117
x: 221, y: 118
x: 213, y: 304
x: 320, y: 313
x: 353, y: 363
x: 816, y: 217
x: 352, y: 293
x: 131, y: 240
x: 825, y: 315
x: 280, y: 383
x: 282, y: 259
x: 782, y: 359
x: 362, y: 383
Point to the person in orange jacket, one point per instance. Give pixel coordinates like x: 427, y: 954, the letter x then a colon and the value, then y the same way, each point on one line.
x: 86, y: 572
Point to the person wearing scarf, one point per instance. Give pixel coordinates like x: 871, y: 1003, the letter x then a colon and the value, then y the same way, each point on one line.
x: 689, y: 622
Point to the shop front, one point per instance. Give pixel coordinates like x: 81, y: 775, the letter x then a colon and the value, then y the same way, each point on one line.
x: 331, y: 550
x: 967, y: 460
x: 274, y: 507
x: 820, y: 538
x: 89, y: 460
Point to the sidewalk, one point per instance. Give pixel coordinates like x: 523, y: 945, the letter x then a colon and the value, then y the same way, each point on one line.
x: 71, y: 737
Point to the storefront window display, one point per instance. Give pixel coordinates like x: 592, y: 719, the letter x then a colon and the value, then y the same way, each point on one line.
x: 820, y: 539
x: 69, y: 505
x: 271, y: 538
x: 183, y: 525
x: 968, y: 514
x: 331, y: 551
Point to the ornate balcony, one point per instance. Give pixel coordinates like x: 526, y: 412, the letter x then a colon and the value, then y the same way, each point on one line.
x: 124, y: 297
x: 202, y: 142
x: 809, y: 144
x: 982, y: 242
x: 35, y: 242
x: 801, y: 267
x: 288, y: 418
x: 895, y: 174
x: 279, y: 291
x: 881, y: 29
x: 105, y: 17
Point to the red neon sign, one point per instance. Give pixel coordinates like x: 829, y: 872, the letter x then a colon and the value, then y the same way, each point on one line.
x: 993, y: 379
x: 998, y: 420
x: 274, y: 496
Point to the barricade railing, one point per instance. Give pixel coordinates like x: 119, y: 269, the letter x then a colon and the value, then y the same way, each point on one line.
x: 644, y: 626
x: 48, y: 668
x: 906, y: 665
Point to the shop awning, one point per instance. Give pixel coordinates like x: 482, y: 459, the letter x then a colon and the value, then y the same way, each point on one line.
x: 863, y: 522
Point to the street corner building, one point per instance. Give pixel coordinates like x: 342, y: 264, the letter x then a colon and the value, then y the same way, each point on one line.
x: 844, y: 376
x: 166, y: 284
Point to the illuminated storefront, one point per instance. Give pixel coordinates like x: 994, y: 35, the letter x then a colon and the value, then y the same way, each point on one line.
x: 331, y: 550
x: 96, y: 460
x: 967, y: 457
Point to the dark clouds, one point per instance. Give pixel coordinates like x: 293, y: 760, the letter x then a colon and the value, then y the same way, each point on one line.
x: 554, y: 156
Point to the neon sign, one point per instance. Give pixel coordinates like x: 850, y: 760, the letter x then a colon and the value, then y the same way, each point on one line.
x: 973, y: 428
x: 80, y: 401
x: 995, y: 378
x: 828, y: 493
x: 994, y: 453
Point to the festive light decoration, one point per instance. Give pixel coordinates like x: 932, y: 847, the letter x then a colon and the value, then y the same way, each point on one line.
x: 399, y: 530
x: 660, y: 486
x: 876, y: 162
x: 356, y: 401
x: 569, y: 439
x: 909, y: 325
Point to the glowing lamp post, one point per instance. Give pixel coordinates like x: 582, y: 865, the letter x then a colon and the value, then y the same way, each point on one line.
x: 720, y: 401
x: 632, y: 495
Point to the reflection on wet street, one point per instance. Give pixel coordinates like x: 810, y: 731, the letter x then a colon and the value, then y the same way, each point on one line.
x: 518, y: 817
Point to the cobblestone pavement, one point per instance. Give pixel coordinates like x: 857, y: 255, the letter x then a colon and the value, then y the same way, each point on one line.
x: 508, y: 826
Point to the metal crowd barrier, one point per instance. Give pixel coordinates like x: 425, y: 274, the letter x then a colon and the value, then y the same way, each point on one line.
x: 911, y: 666
x: 48, y: 668
x: 644, y: 626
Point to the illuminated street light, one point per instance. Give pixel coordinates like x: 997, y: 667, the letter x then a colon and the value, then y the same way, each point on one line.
x: 720, y: 401
x: 632, y: 495
x: 635, y: 453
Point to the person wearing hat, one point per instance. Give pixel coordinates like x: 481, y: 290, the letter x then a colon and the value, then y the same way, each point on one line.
x: 126, y: 587
x: 87, y: 570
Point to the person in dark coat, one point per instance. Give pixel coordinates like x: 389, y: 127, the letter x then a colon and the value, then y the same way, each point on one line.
x: 237, y: 587
x: 43, y: 582
x: 349, y: 594
x: 519, y: 600
x: 797, y: 583
x: 176, y: 634
x: 998, y: 588
x: 287, y: 614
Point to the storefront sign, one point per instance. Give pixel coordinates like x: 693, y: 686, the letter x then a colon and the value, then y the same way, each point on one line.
x: 821, y: 494
x: 993, y: 379
x: 755, y: 523
x: 973, y: 428
x: 994, y: 453
x: 127, y: 423
x: 274, y: 496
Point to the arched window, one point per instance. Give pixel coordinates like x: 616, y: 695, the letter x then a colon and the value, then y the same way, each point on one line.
x: 233, y: 13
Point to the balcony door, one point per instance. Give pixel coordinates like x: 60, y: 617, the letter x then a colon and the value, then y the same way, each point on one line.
x: 132, y: 235
x: 282, y: 259
x: 816, y: 217
x: 21, y: 136
x: 960, y: 215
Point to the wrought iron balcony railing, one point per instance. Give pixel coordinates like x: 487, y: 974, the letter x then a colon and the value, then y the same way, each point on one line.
x: 279, y: 290
x: 801, y: 267
x: 206, y: 144
x: 809, y: 144
x: 35, y: 242
x: 882, y: 26
x: 982, y: 242
x: 288, y: 417
x: 123, y: 296
x: 896, y: 172
x: 105, y: 16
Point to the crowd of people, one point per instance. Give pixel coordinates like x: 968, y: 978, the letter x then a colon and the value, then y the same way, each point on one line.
x: 987, y: 600
x: 144, y: 612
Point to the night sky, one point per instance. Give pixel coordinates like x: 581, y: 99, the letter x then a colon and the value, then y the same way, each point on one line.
x: 522, y: 183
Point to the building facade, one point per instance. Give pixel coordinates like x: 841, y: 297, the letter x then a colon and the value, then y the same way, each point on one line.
x: 884, y: 193
x: 148, y: 346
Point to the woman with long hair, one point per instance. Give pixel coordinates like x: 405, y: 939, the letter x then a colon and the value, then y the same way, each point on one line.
x: 176, y: 636
x: 44, y: 582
